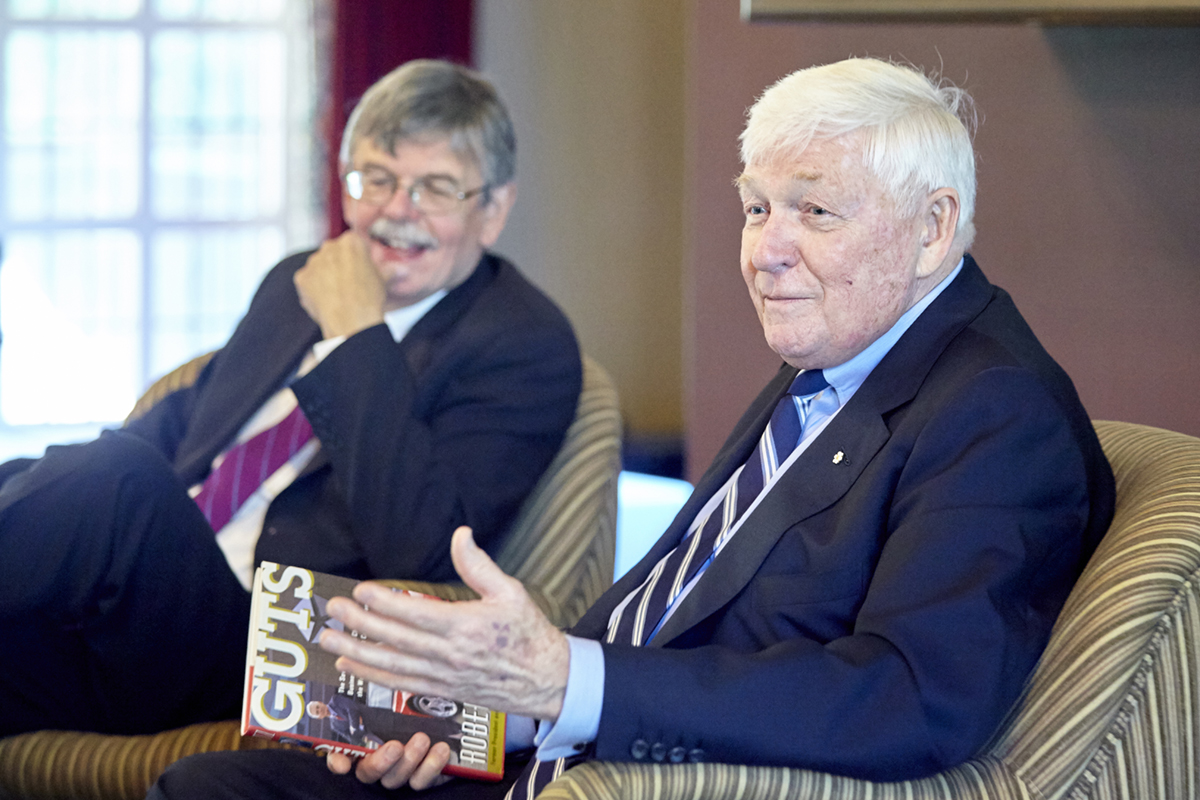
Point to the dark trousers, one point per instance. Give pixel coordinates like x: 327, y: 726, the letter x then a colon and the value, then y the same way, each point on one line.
x: 118, y: 612
x: 297, y: 775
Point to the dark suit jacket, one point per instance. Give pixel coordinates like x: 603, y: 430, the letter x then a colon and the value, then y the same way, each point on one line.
x: 878, y: 613
x: 451, y: 426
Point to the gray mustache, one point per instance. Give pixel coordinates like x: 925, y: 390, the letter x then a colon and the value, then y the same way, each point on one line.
x: 401, y: 235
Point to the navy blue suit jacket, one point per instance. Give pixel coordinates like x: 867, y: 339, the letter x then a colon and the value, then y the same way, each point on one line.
x: 878, y: 613
x: 451, y: 426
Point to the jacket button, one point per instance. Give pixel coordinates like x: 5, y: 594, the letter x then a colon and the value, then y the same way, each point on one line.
x: 639, y: 749
x: 658, y: 752
x: 272, y: 530
x: 695, y: 755
x: 677, y: 755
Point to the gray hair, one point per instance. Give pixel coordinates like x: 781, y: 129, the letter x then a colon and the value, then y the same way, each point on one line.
x: 427, y: 97
x: 916, y: 133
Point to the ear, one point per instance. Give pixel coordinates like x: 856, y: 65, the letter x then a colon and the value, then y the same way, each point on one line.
x: 495, y: 213
x: 939, y: 224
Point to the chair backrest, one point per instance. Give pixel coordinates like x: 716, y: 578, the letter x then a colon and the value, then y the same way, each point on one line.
x: 183, y: 375
x: 1113, y: 708
x: 564, y: 539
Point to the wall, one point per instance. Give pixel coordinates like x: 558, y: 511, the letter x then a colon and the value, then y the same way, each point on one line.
x: 1089, y: 191
x: 596, y: 92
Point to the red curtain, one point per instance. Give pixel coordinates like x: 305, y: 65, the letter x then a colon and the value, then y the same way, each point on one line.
x: 372, y: 37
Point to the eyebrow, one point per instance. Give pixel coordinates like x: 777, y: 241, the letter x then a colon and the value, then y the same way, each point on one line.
x: 743, y: 181
x: 426, y: 177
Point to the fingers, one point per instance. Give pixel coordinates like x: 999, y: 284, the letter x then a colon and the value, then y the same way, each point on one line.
x: 387, y: 764
x: 429, y: 772
x: 418, y: 764
x: 339, y: 287
x: 499, y: 651
x: 477, y: 569
x: 338, y: 763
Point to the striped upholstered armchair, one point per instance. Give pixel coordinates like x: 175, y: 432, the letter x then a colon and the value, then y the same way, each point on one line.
x: 561, y: 547
x: 1113, y: 708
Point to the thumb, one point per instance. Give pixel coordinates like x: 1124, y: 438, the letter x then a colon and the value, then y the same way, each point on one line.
x: 475, y: 567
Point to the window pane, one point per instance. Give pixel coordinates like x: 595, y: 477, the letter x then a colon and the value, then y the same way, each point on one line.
x: 201, y: 283
x: 72, y: 124
x: 74, y: 9
x: 220, y: 10
x: 70, y: 304
x: 217, y: 149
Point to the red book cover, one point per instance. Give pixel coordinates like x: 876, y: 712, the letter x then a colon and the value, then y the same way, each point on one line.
x: 293, y: 692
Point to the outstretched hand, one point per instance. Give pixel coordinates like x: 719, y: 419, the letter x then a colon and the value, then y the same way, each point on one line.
x: 417, y: 764
x: 499, y: 651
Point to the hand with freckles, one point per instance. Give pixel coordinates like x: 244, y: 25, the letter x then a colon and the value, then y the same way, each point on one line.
x: 340, y: 288
x: 499, y: 651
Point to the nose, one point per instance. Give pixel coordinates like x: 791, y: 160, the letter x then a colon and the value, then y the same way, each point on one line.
x: 400, y: 205
x: 774, y: 247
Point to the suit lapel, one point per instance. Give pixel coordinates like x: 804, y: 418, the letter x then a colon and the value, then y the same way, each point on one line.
x: 732, y: 454
x: 421, y: 345
x: 820, y: 476
x: 251, y: 368
x: 813, y: 483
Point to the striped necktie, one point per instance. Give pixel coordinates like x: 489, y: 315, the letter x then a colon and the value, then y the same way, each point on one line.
x: 248, y: 464
x: 646, y: 605
x: 641, y: 615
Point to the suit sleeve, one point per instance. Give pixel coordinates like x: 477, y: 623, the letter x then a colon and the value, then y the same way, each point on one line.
x: 417, y: 456
x: 980, y: 540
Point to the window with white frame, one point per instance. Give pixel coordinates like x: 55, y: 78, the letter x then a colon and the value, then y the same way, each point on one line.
x: 156, y: 159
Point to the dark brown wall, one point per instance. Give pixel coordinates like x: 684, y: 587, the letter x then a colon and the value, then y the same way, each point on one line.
x: 1088, y: 211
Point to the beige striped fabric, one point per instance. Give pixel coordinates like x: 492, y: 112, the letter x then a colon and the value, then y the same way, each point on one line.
x: 90, y: 766
x: 1112, y: 711
x: 561, y: 546
x: 178, y: 378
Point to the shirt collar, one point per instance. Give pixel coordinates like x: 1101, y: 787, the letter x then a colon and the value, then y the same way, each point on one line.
x: 401, y: 320
x: 845, y: 378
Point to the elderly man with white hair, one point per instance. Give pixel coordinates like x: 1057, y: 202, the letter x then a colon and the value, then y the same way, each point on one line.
x: 869, y: 570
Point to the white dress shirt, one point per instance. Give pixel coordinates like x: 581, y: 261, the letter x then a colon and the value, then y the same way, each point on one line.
x: 239, y: 537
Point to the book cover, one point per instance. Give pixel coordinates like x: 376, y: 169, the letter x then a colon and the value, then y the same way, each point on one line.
x: 294, y: 693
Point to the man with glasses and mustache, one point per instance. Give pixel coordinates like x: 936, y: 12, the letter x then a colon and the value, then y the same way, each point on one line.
x: 394, y: 384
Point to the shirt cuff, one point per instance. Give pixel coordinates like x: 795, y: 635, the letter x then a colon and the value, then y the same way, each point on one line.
x: 518, y: 732
x: 326, y: 346
x: 579, y: 720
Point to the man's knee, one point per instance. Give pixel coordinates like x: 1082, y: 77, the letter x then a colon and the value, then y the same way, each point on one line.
x: 186, y: 778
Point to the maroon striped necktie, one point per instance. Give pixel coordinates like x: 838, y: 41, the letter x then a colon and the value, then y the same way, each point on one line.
x: 248, y: 464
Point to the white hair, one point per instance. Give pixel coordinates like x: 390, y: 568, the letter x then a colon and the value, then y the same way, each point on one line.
x: 916, y: 133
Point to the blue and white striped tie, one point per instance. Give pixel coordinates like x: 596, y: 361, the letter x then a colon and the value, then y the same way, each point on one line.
x: 647, y: 604
x: 640, y: 616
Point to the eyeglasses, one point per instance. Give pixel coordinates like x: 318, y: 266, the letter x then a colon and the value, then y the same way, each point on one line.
x: 431, y: 194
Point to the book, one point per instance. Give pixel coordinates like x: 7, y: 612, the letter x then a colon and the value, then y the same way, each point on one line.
x: 294, y: 692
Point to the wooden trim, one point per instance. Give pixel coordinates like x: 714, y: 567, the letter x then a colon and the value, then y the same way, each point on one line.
x: 1059, y: 12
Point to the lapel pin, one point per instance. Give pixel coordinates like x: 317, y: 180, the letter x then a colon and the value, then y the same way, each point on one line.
x: 839, y: 457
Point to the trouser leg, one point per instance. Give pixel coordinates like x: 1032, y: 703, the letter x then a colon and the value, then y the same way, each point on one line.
x: 295, y: 775
x: 118, y: 612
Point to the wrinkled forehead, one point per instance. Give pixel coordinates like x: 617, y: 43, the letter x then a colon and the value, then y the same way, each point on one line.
x: 835, y: 160
x: 428, y: 153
